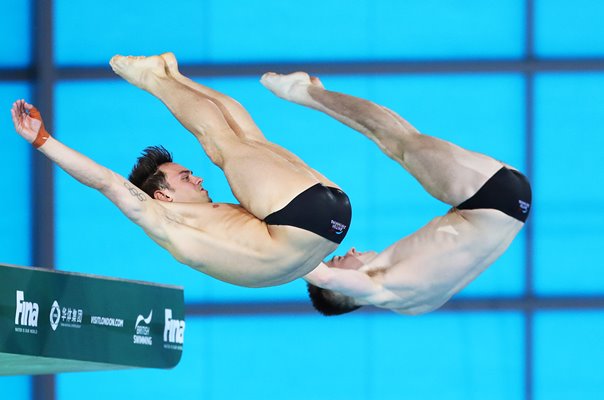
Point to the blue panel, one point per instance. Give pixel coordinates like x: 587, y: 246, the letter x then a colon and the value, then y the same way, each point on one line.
x: 332, y: 30
x: 568, y: 213
x: 569, y: 28
x: 16, y: 387
x: 446, y: 356
x: 189, y: 380
x: 289, y: 357
x: 15, y: 220
x: 15, y: 38
x: 448, y: 29
x: 568, y: 355
x: 245, y: 31
x: 471, y: 356
x: 93, y: 32
x: 237, y: 31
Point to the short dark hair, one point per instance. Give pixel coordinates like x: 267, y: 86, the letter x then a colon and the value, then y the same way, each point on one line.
x: 146, y: 174
x: 329, y: 303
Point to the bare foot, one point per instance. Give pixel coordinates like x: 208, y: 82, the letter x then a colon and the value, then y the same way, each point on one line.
x: 171, y: 64
x: 139, y: 71
x: 317, y: 82
x: 292, y: 87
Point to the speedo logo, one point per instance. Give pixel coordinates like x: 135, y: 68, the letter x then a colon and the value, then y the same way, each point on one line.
x: 174, y: 329
x: 338, y: 227
x: 524, y: 206
x: 26, y: 314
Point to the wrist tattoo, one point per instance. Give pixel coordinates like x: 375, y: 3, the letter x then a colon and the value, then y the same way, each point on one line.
x: 134, y: 191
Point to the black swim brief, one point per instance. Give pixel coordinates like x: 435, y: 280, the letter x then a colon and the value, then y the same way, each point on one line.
x: 319, y: 209
x: 507, y: 191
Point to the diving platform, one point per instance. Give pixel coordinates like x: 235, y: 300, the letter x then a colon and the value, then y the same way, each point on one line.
x: 54, y: 321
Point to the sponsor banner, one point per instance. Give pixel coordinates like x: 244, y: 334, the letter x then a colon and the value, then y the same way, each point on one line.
x: 55, y: 314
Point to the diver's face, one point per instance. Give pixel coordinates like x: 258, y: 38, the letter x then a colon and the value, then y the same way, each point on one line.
x: 184, y: 186
x: 353, y: 259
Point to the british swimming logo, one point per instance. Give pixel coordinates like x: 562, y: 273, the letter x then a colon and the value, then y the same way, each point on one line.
x: 140, y: 319
x: 524, y: 206
x: 142, y: 334
x: 338, y: 227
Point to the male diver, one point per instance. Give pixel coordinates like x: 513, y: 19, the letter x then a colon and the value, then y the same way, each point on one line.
x: 418, y: 273
x: 290, y: 217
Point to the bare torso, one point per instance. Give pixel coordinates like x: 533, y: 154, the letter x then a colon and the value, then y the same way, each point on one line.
x: 230, y: 244
x: 422, y: 271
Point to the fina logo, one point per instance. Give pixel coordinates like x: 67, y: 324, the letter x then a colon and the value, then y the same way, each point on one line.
x: 26, y: 313
x: 55, y: 315
x: 174, y: 329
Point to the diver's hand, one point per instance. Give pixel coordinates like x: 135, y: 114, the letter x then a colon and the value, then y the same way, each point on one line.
x: 28, y: 123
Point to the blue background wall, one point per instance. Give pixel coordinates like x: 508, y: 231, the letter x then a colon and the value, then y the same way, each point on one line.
x: 547, y: 121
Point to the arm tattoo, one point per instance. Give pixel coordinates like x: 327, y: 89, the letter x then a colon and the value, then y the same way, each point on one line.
x: 134, y: 191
